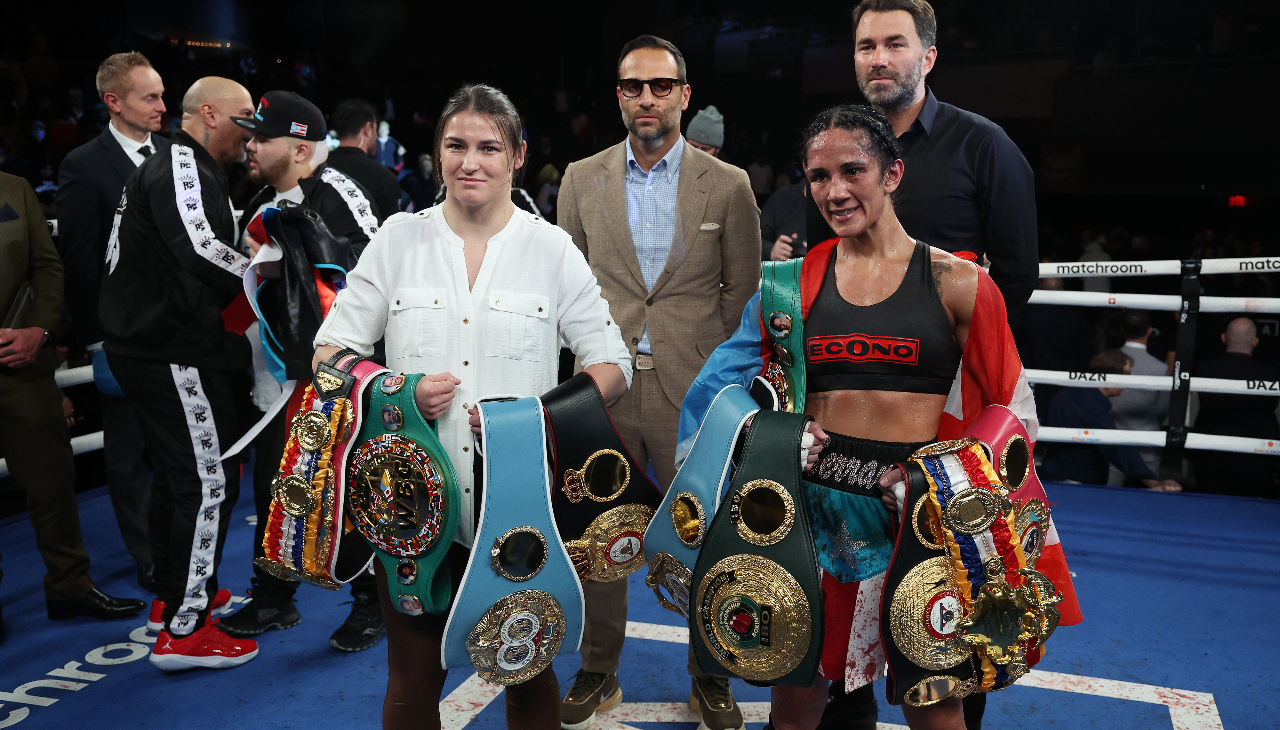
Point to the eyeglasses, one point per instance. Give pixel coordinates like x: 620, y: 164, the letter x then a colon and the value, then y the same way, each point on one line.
x: 631, y: 88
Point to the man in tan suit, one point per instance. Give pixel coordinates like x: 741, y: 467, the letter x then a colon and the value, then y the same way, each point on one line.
x: 672, y: 235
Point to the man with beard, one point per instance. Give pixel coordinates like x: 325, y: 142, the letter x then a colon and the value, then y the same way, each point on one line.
x: 286, y: 153
x: 356, y: 123
x: 672, y: 234
x: 967, y: 188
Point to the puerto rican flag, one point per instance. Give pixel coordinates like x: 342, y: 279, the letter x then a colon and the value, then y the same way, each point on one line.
x: 990, y: 373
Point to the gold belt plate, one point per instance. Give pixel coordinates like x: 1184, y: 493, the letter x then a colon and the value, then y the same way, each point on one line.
x: 517, y: 637
x: 613, y: 545
x: 753, y: 617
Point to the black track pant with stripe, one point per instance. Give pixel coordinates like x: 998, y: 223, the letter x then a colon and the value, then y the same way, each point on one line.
x: 188, y: 415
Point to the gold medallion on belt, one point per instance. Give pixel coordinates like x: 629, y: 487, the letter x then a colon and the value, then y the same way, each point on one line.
x: 612, y: 546
x: 754, y: 617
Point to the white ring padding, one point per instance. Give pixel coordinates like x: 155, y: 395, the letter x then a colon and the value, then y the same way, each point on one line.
x: 1150, y: 382
x: 73, y: 376
x: 1205, y: 441
x: 1081, y: 269
x: 1161, y: 302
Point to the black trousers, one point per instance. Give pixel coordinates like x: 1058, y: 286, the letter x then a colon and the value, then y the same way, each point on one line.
x: 353, y: 551
x: 128, y: 474
x: 188, y: 415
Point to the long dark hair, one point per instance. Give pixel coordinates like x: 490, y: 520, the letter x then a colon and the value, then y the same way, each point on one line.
x: 492, y: 103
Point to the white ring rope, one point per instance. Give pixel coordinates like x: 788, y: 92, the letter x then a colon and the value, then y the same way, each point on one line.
x: 1080, y: 269
x: 1206, y: 441
x: 1150, y: 382
x: 1161, y: 302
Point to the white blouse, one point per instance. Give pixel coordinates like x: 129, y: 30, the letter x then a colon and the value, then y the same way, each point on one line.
x: 500, y: 338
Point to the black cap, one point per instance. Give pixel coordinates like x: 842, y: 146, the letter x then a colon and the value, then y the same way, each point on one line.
x: 285, y: 114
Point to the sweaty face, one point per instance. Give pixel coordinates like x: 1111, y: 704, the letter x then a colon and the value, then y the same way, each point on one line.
x: 846, y: 181
x: 142, y: 102
x: 476, y: 162
x: 269, y: 159
x: 646, y: 116
x: 889, y: 59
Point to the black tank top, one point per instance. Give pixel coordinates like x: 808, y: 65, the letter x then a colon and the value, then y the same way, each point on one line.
x: 901, y: 344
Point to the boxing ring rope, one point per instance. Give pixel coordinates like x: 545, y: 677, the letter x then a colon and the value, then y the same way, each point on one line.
x: 1180, y: 385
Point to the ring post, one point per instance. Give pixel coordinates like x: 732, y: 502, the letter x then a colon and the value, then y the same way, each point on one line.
x: 1184, y: 353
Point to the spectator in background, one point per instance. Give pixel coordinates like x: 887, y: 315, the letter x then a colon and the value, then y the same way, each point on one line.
x: 355, y: 121
x: 1095, y: 249
x: 89, y: 187
x: 1134, y: 409
x: 548, y: 186
x: 1052, y: 337
x: 1227, y: 414
x: 969, y: 189
x: 33, y: 428
x: 420, y: 185
x: 1091, y: 408
x: 760, y: 173
x: 706, y: 131
x: 389, y: 153
x: 790, y: 223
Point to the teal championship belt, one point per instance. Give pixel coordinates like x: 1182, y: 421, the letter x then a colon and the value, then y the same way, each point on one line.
x: 781, y: 308
x: 674, y: 538
x: 756, y: 611
x: 602, y: 499
x: 520, y: 601
x: 404, y: 496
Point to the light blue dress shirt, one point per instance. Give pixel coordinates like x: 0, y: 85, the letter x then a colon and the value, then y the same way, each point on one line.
x: 651, y: 213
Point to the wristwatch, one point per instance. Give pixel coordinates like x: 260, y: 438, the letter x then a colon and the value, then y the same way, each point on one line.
x: 48, y: 337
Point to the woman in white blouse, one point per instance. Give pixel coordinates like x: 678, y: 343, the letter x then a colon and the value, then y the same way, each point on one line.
x: 478, y: 295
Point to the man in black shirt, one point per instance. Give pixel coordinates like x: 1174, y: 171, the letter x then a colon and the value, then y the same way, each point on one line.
x: 1229, y: 414
x: 967, y: 186
x: 171, y: 269
x: 356, y: 121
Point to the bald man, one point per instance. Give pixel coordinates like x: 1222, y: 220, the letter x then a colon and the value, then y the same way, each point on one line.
x: 171, y: 268
x: 1228, y: 414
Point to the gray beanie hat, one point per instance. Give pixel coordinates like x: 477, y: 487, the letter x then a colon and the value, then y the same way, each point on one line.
x: 707, y: 127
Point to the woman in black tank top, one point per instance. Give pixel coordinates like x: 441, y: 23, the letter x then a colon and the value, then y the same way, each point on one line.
x: 883, y: 343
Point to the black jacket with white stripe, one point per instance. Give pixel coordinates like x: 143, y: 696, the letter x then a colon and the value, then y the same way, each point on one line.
x: 343, y: 204
x: 172, y: 264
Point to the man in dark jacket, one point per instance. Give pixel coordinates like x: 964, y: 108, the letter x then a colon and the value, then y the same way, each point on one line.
x: 90, y: 181
x: 288, y: 134
x: 171, y: 269
x: 33, y: 431
x: 1227, y: 414
x: 356, y: 123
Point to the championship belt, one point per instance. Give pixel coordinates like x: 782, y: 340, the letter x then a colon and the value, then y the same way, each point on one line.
x: 757, y: 607
x: 781, y: 308
x: 520, y: 602
x: 673, y: 540
x: 1001, y: 431
x: 306, y: 515
x: 963, y: 607
x: 602, y: 499
x: 404, y: 496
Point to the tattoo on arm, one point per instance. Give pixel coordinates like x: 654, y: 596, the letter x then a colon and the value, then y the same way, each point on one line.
x: 939, y: 268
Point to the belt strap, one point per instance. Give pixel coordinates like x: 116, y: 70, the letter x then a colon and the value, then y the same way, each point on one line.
x: 675, y: 536
x: 780, y: 303
x: 757, y: 604
x: 520, y: 601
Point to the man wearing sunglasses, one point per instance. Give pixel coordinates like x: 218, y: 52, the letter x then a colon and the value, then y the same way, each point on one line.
x: 673, y: 236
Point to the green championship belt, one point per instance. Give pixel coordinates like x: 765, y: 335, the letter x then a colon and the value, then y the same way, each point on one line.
x: 756, y: 608
x: 783, y: 314
x: 404, y: 496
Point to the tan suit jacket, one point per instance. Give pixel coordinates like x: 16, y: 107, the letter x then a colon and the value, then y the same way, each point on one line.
x: 712, y: 271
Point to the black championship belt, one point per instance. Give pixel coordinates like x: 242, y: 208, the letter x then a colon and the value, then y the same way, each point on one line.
x: 756, y: 608
x: 602, y: 499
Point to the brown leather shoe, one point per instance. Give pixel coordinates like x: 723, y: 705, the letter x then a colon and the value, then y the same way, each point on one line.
x: 713, y: 699
x: 591, y: 693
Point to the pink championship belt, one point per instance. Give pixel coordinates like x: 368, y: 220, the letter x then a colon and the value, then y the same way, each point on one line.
x: 305, y: 519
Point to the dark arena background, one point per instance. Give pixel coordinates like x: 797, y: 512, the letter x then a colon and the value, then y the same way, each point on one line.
x: 1151, y: 128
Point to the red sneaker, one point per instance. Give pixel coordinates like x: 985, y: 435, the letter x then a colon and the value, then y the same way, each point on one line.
x: 207, y: 648
x: 221, y: 605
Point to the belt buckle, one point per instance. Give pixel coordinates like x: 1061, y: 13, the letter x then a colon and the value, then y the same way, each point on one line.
x: 644, y: 361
